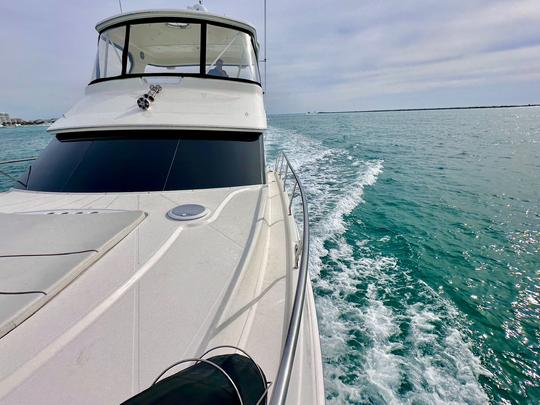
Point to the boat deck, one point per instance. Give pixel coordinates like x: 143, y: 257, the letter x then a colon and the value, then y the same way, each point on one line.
x: 167, y: 291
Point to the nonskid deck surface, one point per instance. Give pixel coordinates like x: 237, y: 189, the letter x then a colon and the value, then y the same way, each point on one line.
x: 36, y: 264
x: 167, y: 291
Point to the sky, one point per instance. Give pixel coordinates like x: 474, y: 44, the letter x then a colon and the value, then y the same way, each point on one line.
x: 322, y: 55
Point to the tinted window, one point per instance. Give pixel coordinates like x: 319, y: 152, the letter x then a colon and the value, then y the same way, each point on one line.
x: 216, y: 162
x: 123, y: 165
x: 124, y: 161
x: 53, y: 168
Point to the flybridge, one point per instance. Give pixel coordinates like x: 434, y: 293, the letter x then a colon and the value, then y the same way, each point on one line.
x: 206, y: 68
x: 176, y: 43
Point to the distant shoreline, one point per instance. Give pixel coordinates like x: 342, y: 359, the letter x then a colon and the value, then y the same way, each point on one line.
x: 430, y: 109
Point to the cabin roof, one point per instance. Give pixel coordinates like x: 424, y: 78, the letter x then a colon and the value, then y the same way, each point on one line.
x: 188, y: 14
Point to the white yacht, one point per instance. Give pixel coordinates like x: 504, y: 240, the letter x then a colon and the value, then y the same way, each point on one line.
x: 148, y: 255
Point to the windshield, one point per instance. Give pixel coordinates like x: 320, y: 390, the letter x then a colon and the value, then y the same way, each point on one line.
x: 229, y: 54
x: 176, y: 47
x: 165, y: 47
x: 123, y: 161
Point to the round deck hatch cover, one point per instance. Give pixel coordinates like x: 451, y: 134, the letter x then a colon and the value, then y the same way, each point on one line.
x: 187, y: 212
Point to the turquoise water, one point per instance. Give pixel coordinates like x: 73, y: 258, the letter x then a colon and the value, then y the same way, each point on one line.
x: 425, y: 255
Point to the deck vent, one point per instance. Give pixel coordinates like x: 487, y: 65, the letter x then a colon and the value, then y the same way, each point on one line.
x: 187, y: 212
x: 69, y: 212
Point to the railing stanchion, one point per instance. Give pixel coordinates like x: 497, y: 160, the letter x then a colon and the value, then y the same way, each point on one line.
x: 285, y: 177
x: 277, y: 163
x: 281, y: 164
x: 292, y: 197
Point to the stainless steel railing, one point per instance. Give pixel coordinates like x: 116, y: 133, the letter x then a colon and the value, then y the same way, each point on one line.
x: 9, y: 176
x: 279, y: 394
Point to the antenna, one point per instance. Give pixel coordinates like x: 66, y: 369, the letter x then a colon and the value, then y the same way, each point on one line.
x: 120, y: 4
x: 264, y: 60
x: 198, y: 7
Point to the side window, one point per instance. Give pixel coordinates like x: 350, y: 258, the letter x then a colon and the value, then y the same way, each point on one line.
x: 53, y: 168
x: 109, y: 54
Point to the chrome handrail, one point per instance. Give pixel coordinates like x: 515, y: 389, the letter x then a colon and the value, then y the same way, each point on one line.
x: 9, y: 176
x: 5, y: 162
x: 281, y: 385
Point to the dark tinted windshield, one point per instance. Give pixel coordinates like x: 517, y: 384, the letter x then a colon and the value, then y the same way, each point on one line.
x: 121, y: 161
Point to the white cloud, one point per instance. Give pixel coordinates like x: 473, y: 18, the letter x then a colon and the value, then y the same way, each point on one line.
x: 421, y: 47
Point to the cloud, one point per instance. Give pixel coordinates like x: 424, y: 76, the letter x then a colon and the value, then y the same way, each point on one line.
x: 414, y: 49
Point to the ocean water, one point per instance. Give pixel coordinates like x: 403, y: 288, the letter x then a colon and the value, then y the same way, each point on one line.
x: 425, y: 249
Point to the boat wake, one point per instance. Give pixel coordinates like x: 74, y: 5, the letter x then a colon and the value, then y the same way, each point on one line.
x: 386, y: 337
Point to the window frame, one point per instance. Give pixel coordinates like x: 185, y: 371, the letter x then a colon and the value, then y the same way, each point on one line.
x: 202, y: 71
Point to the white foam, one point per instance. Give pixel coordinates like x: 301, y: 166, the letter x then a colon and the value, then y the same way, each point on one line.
x: 382, y: 368
x: 447, y: 372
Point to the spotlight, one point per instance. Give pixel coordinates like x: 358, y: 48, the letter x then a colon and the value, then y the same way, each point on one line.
x: 147, y: 98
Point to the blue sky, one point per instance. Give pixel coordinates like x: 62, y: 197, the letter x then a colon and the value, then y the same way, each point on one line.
x: 323, y: 55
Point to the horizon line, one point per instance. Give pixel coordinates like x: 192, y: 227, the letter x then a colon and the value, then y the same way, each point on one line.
x: 429, y: 109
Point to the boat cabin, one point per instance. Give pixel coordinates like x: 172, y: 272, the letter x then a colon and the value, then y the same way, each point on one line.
x: 175, y: 103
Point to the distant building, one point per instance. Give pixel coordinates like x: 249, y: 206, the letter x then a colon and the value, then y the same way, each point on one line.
x: 4, y: 119
x: 7, y: 121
